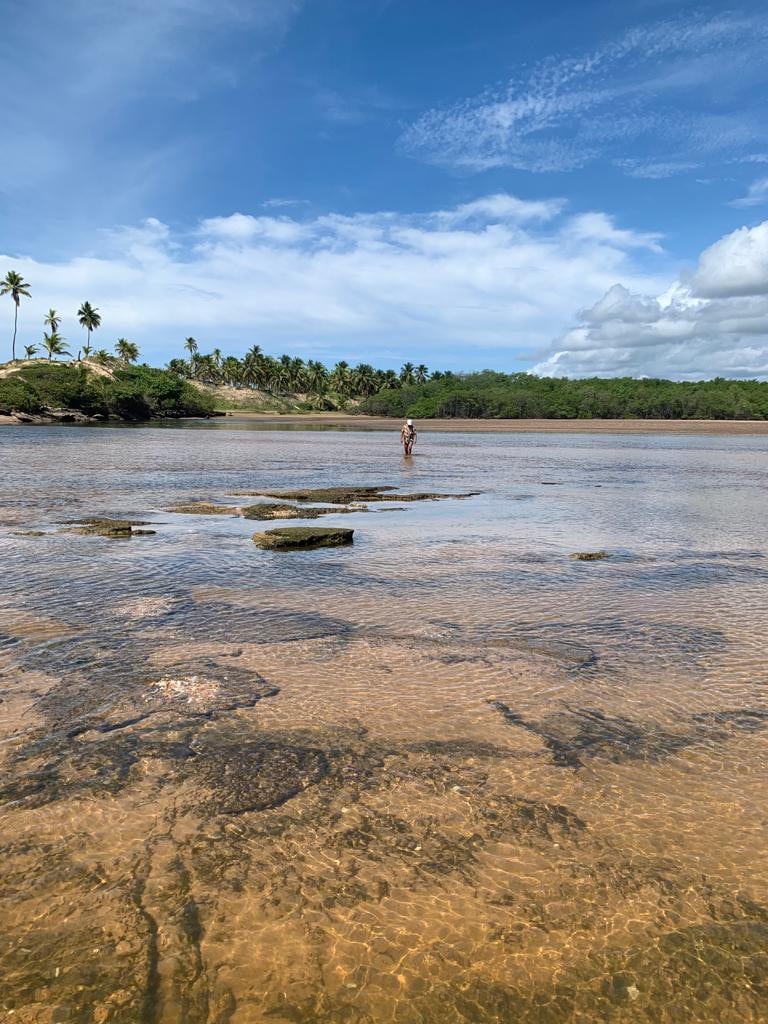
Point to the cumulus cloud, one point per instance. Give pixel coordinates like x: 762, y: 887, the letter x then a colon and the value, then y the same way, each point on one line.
x: 656, y: 87
x: 468, y: 286
x: 714, y: 323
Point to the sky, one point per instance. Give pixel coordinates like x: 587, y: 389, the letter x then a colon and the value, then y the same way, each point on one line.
x: 565, y: 189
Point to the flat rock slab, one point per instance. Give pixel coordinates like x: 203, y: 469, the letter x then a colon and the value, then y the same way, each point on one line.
x: 352, y: 495
x: 205, y: 508
x: 590, y: 556
x: 271, y: 510
x: 292, y: 538
x: 102, y: 527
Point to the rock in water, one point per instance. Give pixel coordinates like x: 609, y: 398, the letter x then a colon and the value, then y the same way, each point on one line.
x: 590, y: 556
x: 289, y: 538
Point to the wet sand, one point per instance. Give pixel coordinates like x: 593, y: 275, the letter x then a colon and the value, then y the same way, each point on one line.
x: 724, y: 427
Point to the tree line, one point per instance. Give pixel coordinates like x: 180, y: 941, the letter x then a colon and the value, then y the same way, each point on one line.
x: 492, y: 395
x: 290, y: 375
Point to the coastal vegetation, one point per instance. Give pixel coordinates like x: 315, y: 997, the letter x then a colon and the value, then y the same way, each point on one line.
x: 107, y: 384
x: 125, y: 392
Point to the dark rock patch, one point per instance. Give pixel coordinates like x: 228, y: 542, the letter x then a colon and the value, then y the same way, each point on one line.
x: 296, y: 538
x: 590, y: 556
x: 270, y: 510
x: 104, y: 527
x: 205, y: 508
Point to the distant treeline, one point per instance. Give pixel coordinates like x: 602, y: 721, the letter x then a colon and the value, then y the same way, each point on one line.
x: 131, y: 393
x: 492, y: 395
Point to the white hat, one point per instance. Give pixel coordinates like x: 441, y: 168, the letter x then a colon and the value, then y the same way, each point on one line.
x: 409, y: 422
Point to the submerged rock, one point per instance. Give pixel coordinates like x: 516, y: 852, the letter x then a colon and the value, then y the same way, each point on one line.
x: 590, y: 556
x: 204, y: 508
x: 355, y: 495
x: 289, y: 538
x: 103, y: 527
x: 271, y: 510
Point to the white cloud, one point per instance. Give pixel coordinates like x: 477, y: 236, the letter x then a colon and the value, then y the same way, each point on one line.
x: 656, y: 86
x: 735, y: 265
x: 757, y: 194
x: 715, y: 323
x: 469, y: 286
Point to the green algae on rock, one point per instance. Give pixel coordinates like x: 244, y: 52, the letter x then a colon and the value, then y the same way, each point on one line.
x: 104, y: 527
x: 204, y: 508
x: 352, y: 495
x: 272, y: 510
x: 288, y: 538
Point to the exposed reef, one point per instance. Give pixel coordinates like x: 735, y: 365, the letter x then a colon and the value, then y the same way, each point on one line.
x: 590, y: 556
x: 289, y: 538
x: 103, y: 527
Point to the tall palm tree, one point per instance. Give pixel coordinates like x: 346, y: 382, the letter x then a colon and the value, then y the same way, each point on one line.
x: 52, y: 320
x: 191, y: 346
x: 364, y: 379
x: 126, y: 351
x: 30, y: 351
x: 317, y: 378
x: 340, y: 377
x: 89, y: 318
x: 53, y: 344
x: 406, y: 373
x: 421, y: 374
x: 13, y: 284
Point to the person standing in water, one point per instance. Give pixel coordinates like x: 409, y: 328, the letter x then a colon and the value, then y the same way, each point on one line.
x: 408, y: 437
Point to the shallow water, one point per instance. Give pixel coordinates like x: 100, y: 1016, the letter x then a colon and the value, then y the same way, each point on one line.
x: 448, y: 774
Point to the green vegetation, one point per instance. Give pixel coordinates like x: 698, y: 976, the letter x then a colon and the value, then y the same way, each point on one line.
x: 129, y: 393
x: 522, y: 396
x: 289, y: 384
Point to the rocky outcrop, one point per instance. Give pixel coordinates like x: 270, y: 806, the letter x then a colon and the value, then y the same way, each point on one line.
x: 590, y: 556
x: 205, y: 508
x: 102, y: 527
x: 352, y: 495
x: 271, y: 510
x: 292, y: 538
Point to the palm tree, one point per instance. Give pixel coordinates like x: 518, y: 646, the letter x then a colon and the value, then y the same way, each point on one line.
x: 29, y: 351
x: 317, y: 378
x: 421, y: 374
x: 53, y: 344
x: 191, y: 346
x: 13, y: 284
x: 90, y: 319
x: 126, y: 351
x: 216, y: 356
x: 406, y: 374
x: 102, y: 357
x: 52, y: 320
x: 364, y: 379
x: 340, y: 377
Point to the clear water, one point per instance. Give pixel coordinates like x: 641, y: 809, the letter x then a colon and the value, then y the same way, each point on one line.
x: 446, y: 774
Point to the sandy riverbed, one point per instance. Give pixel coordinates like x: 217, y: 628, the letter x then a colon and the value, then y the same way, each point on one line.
x: 518, y: 426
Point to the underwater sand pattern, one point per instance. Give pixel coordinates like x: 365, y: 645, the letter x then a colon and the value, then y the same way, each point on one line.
x: 513, y: 788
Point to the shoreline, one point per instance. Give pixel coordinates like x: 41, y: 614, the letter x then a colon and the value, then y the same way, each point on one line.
x: 472, y: 426
x: 505, y: 426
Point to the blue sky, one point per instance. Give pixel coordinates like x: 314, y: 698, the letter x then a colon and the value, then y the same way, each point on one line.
x: 567, y: 188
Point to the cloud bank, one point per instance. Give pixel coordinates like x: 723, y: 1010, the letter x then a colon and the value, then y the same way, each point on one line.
x: 714, y: 323
x: 481, y: 283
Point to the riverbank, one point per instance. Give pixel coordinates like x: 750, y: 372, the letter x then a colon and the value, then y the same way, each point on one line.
x: 477, y: 426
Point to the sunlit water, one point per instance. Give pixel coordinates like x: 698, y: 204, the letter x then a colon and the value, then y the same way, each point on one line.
x: 447, y: 774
